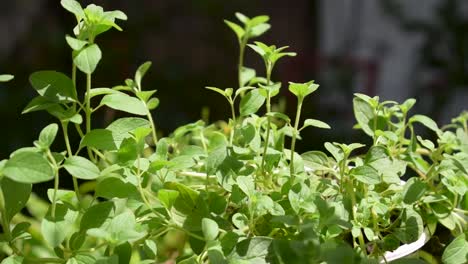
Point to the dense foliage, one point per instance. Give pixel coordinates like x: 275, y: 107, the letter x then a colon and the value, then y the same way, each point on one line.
x: 234, y: 192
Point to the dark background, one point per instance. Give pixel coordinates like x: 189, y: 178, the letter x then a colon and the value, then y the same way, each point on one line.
x: 346, y: 46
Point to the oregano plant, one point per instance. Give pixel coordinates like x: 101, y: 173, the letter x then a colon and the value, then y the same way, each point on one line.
x: 235, y: 194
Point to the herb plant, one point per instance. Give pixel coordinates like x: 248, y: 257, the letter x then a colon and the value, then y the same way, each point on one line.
x: 236, y: 195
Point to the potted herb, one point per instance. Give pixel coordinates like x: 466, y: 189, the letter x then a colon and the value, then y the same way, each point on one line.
x: 233, y: 194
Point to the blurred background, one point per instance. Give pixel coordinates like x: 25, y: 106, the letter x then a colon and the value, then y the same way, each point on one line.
x: 394, y: 49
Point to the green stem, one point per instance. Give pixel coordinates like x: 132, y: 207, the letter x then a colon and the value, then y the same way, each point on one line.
x: 293, y: 141
x: 153, y: 128
x: 88, y: 103
x: 187, y: 232
x: 362, y: 243
x: 268, y: 110
x: 88, y: 112
x: 203, y: 142
x: 56, y: 183
x: 231, y: 133
x: 45, y: 260
x: 143, y: 196
x: 376, y: 113
x: 427, y: 257
x: 69, y: 150
x: 241, y: 59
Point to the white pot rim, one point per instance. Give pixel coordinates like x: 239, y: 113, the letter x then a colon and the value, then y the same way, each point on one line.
x: 406, y: 249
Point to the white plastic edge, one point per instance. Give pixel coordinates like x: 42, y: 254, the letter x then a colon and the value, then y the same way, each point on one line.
x: 406, y: 249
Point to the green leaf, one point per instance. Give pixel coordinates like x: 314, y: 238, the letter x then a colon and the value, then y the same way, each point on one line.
x: 258, y: 30
x: 53, y: 85
x: 150, y: 248
x: 279, y: 116
x: 315, y: 160
x: 190, y: 260
x: 336, y: 152
x: 258, y: 20
x: 315, y: 123
x: 48, y: 134
x: 457, y: 251
x: 124, y: 252
x: 242, y: 18
x: 366, y: 175
x: 113, y: 187
x: 240, y: 220
x: 188, y: 199
x: 74, y: 43
x: 38, y: 103
x: 15, y: 196
x: 261, y: 49
x: 28, y: 167
x: 301, y: 90
x: 251, y: 102
x: 220, y: 91
x: 153, y: 103
x: 122, y: 127
x: 88, y: 58
x: 96, y: 215
x: 99, y: 139
x: 210, y: 229
x: 6, y: 77
x: 413, y: 190
x: 20, y: 231
x: 101, y: 91
x: 391, y: 170
x: 252, y: 248
x: 215, y: 159
x: 63, y: 196
x: 167, y: 197
x: 411, y: 227
x: 426, y: 121
x: 246, y: 75
x: 83, y: 259
x: 364, y: 113
x: 145, y: 95
x: 81, y: 168
x: 141, y: 71
x: 55, y: 230
x: 124, y: 102
x: 13, y: 260
x: 122, y: 228
x: 73, y: 7
x: 236, y: 28
x: 246, y: 184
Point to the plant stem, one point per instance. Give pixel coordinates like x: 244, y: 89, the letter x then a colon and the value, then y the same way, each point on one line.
x: 202, y: 139
x: 427, y: 257
x: 69, y: 151
x: 268, y: 109
x: 56, y: 183
x: 153, y: 128
x: 88, y: 112
x: 241, y: 59
x: 293, y: 141
x: 88, y: 103
x: 231, y: 133
x: 45, y: 260
x: 187, y: 232
x: 142, y: 193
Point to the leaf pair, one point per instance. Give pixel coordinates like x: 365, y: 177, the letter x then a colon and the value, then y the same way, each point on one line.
x: 253, y: 27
